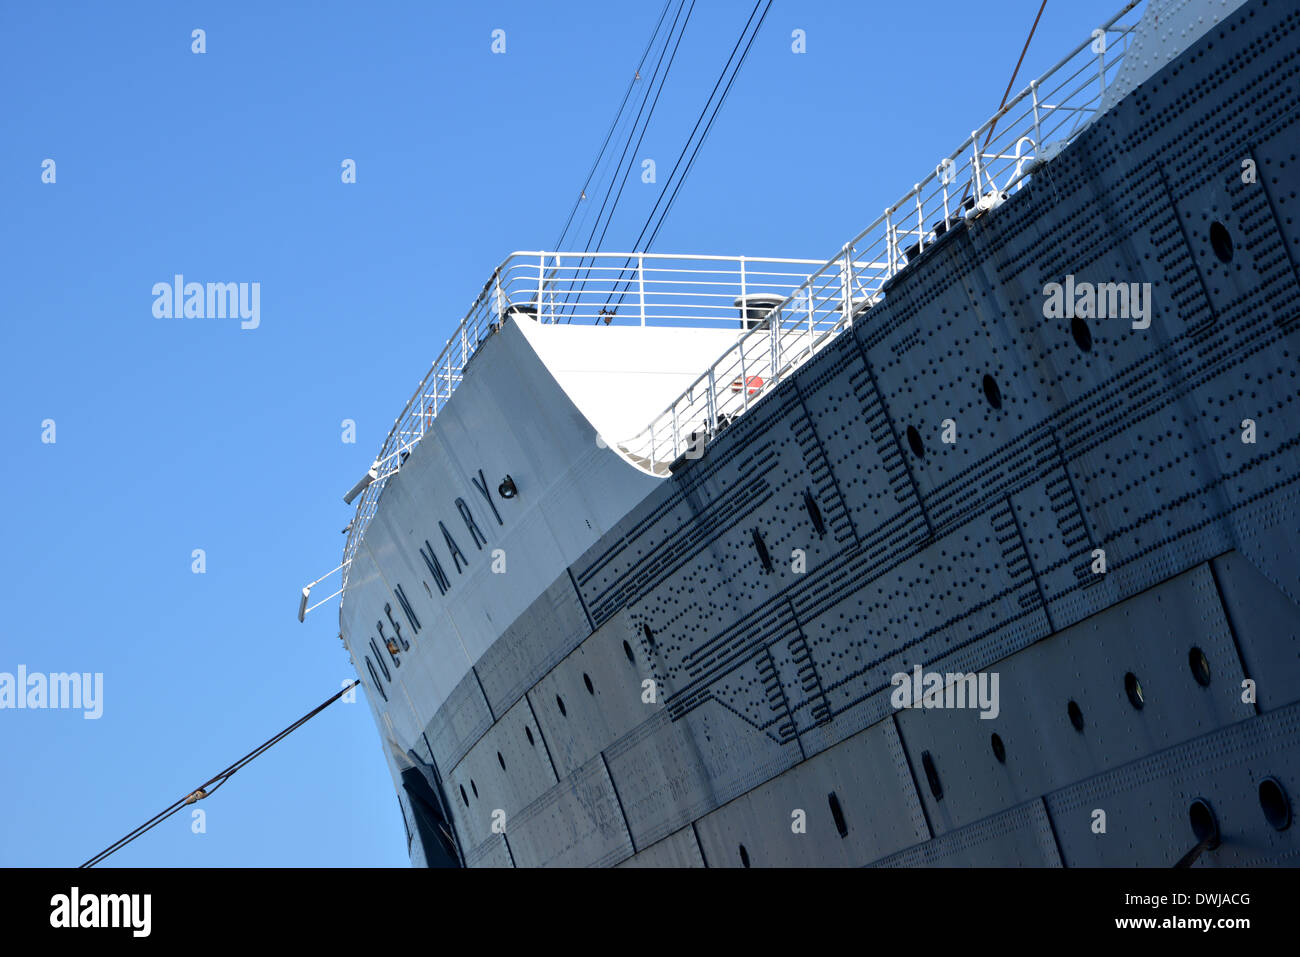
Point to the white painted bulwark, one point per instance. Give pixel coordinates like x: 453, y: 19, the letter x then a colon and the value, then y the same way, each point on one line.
x: 531, y: 405
x: 621, y: 377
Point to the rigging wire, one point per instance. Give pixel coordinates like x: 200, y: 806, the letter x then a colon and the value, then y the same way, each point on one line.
x: 216, y: 780
x: 728, y: 74
x: 628, y: 171
x: 708, y: 126
x: 1011, y: 83
x: 636, y: 77
x: 580, y: 285
x: 609, y: 190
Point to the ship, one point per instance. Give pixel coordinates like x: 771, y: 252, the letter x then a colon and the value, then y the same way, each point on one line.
x: 974, y: 544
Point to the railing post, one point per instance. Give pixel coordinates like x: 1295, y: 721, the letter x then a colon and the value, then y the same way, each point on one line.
x: 975, y: 164
x: 846, y: 287
x: 774, y: 340
x: 744, y: 378
x: 555, y: 280
x: 1038, y: 122
x: 640, y: 272
x: 811, y: 317
x: 920, y: 222
x: 889, y: 239
x: 712, y: 403
x: 1101, y: 61
x: 744, y: 306
x: 541, y: 284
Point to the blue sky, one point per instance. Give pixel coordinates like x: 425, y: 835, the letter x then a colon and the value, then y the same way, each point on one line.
x: 182, y: 434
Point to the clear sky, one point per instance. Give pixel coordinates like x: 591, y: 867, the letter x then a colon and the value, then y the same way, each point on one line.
x: 179, y: 434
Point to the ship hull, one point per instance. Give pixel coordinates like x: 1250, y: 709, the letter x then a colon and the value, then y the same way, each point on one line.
x: 710, y: 672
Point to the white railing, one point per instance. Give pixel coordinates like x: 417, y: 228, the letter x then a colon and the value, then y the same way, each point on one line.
x: 585, y: 288
x: 807, y: 308
x: 993, y: 162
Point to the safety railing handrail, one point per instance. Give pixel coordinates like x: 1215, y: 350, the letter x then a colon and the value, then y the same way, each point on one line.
x: 1047, y: 114
x: 814, y: 306
x: 583, y: 287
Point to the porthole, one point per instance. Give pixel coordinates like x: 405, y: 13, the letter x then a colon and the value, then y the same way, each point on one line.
x: 501, y: 761
x: 1273, y: 802
x: 627, y: 650
x: 1200, y: 666
x: 931, y: 775
x: 1133, y: 688
x: 1221, y: 242
x: 560, y: 701
x: 992, y: 393
x: 586, y: 680
x: 760, y: 546
x: 999, y: 749
x: 744, y: 856
x: 1076, y: 715
x: 1204, y: 824
x: 1081, y: 333
x: 837, y: 813
x: 914, y: 440
x: 814, y: 513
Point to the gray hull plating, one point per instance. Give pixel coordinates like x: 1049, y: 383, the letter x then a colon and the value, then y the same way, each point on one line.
x: 1124, y: 696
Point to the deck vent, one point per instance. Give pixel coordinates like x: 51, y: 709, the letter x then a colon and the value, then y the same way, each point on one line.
x: 814, y: 512
x: 761, y: 547
x: 838, y: 814
x: 754, y: 308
